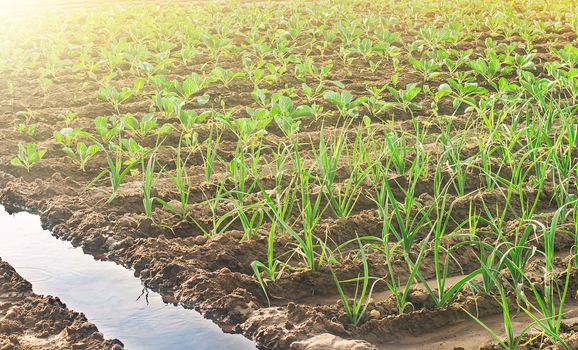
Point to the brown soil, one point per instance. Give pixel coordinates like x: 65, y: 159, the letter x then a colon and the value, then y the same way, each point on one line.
x: 34, y: 322
x: 213, y: 275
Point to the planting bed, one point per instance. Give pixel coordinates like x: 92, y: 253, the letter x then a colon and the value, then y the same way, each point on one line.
x: 312, y: 174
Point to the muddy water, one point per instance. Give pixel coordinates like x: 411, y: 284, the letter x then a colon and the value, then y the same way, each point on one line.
x: 109, y: 295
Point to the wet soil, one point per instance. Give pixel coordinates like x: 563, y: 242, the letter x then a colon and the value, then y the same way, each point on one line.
x: 35, y: 322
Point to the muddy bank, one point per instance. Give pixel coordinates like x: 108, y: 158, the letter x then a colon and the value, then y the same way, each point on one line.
x: 31, y: 321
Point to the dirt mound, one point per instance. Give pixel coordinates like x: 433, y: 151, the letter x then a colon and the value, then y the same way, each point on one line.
x: 34, y: 322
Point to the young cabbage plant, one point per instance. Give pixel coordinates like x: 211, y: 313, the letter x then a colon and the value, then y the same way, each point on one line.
x: 225, y: 76
x: 286, y: 115
x: 250, y: 129
x: 170, y: 106
x: 428, y: 68
x: 28, y: 155
x: 190, y: 119
x: 191, y: 85
x: 115, y: 97
x: 146, y: 126
x: 68, y: 117
x: 82, y: 153
x: 465, y: 93
x: 67, y: 136
x: 404, y: 98
x: 108, y: 128
x: 345, y: 103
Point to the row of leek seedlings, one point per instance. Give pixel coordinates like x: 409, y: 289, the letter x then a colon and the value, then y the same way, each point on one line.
x: 442, y: 257
x: 391, y: 247
x: 548, y: 301
x: 410, y: 215
x: 243, y: 173
x: 516, y: 256
x: 543, y: 303
x: 310, y: 205
x: 182, y: 182
x: 311, y: 249
x: 545, y: 306
x: 281, y: 203
x: 330, y: 156
x: 179, y: 177
x: 393, y: 242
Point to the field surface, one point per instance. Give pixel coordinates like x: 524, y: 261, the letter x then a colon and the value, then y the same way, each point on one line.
x: 312, y: 174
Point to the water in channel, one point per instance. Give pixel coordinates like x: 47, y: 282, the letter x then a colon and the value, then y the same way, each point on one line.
x: 105, y: 292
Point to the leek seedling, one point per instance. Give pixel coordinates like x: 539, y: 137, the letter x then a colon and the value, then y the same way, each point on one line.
x: 284, y: 195
x: 270, y: 269
x: 117, y: 170
x: 240, y: 171
x: 512, y: 341
x: 444, y: 296
x: 219, y: 222
x: 399, y: 291
x: 183, y: 184
x: 148, y: 172
x: 211, y: 154
x: 355, y: 308
x: 411, y: 217
x: 397, y: 151
x: 251, y: 217
x: 550, y: 308
x: 342, y: 197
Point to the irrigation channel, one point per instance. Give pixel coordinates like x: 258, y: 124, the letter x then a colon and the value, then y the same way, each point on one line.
x: 108, y: 294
